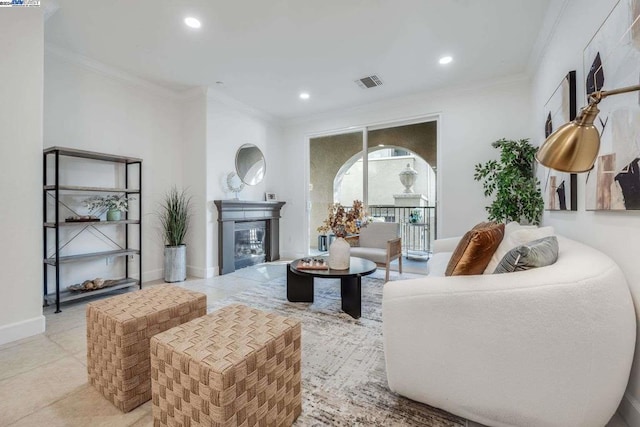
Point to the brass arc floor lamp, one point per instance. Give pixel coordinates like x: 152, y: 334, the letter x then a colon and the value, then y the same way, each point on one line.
x: 575, y: 145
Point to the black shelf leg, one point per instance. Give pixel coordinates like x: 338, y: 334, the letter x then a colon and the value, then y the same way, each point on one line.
x: 57, y: 207
x: 45, y: 303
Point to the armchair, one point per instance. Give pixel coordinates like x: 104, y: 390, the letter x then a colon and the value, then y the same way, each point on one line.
x: 379, y: 242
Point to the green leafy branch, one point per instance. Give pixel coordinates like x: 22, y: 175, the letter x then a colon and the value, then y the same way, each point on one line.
x: 512, y: 179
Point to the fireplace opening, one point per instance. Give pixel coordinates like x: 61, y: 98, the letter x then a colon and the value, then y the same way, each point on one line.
x: 250, y: 243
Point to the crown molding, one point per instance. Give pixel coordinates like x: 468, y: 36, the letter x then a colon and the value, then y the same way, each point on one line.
x: 132, y: 80
x: 553, y: 16
x: 216, y: 95
x: 111, y: 72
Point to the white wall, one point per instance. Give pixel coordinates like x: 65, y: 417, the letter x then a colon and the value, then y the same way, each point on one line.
x: 471, y: 118
x: 615, y: 233
x: 188, y: 140
x: 90, y: 108
x: 230, y: 125
x: 193, y: 148
x: 21, y: 81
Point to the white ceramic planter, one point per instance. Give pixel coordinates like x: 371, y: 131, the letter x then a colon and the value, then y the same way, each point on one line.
x: 175, y: 263
x: 339, y: 254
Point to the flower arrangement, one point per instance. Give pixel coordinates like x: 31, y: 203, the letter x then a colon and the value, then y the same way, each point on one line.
x: 342, y: 221
x: 112, y: 202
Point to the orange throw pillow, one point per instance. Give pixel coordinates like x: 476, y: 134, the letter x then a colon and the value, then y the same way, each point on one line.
x: 473, y: 253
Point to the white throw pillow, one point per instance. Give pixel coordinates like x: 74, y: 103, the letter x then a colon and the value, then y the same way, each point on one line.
x: 514, y: 236
x: 526, y: 235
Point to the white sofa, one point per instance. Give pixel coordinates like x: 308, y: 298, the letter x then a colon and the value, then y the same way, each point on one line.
x: 551, y: 346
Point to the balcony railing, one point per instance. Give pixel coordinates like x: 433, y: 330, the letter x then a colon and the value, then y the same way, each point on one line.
x: 417, y: 226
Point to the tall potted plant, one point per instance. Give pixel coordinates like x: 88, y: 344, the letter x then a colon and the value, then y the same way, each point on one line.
x: 512, y: 179
x: 175, y: 215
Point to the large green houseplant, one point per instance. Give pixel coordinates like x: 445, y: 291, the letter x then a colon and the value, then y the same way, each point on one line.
x: 175, y: 216
x: 512, y: 179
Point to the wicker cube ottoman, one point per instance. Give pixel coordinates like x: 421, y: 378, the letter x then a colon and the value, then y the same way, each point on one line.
x: 234, y: 367
x: 118, y: 333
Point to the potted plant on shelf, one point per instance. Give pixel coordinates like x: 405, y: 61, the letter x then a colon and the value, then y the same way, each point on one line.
x: 342, y: 222
x: 175, y: 215
x: 113, y: 204
x: 512, y: 178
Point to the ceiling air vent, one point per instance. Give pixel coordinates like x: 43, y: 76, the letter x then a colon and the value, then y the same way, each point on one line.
x: 369, y: 82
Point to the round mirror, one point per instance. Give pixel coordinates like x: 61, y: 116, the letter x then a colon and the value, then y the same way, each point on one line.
x: 250, y: 164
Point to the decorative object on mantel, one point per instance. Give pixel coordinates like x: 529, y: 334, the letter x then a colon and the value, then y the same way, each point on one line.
x: 513, y: 181
x: 92, y: 285
x: 113, y: 204
x: 175, y: 215
x: 234, y: 183
x: 342, y: 222
x: 270, y: 197
x: 408, y: 178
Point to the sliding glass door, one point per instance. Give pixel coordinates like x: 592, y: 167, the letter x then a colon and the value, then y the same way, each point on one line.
x: 341, y: 172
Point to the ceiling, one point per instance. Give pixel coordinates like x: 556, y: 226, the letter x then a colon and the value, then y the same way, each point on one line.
x: 267, y: 51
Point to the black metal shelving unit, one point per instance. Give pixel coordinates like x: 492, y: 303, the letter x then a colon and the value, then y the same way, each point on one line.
x: 54, y: 189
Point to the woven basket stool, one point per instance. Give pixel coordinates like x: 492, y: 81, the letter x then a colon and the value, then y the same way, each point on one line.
x: 234, y: 367
x: 118, y: 333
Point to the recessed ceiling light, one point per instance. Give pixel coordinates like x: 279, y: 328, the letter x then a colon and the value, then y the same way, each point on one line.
x: 192, y: 22
x: 445, y: 60
x: 305, y: 95
x: 380, y: 145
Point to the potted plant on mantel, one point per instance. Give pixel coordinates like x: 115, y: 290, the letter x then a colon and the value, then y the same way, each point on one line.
x: 512, y: 178
x: 175, y: 215
x: 113, y: 204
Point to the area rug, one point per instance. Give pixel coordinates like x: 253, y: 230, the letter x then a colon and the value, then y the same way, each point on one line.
x: 343, y: 373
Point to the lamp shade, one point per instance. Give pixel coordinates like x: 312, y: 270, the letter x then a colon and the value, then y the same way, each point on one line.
x: 574, y: 146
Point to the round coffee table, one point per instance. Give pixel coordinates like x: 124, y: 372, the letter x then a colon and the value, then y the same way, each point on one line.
x: 300, y: 283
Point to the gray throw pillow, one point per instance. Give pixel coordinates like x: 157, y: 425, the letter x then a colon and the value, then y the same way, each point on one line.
x: 537, y: 253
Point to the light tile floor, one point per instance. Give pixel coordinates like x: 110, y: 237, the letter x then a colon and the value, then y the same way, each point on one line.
x: 43, y: 379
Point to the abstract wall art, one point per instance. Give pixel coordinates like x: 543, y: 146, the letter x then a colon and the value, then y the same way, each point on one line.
x: 611, y: 60
x: 560, y: 189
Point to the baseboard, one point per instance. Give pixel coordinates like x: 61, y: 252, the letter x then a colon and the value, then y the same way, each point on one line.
x: 629, y: 410
x: 152, y: 275
x: 213, y: 271
x: 203, y: 273
x: 23, y: 329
